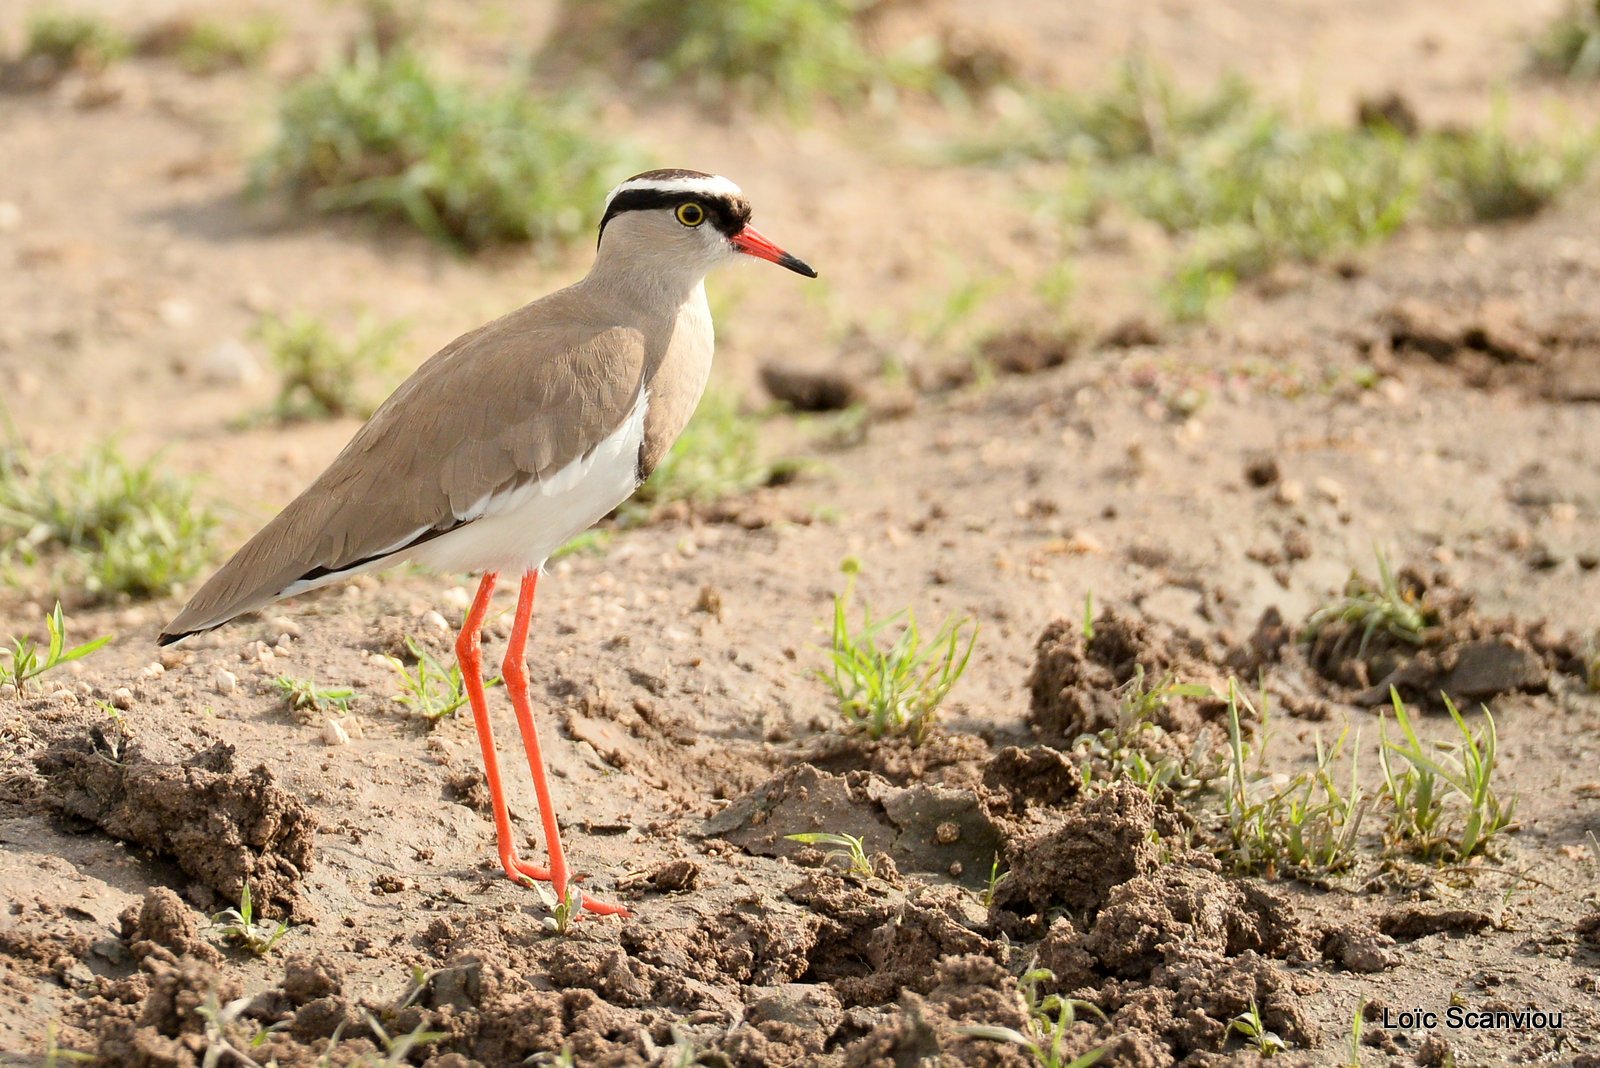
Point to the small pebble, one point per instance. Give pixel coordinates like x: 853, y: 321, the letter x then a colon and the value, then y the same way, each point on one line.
x: 1261, y: 470
x: 225, y: 682
x: 456, y: 597
x: 284, y: 627
x: 1330, y: 490
x: 433, y: 619
x: 70, y: 698
x: 77, y: 975
x: 1289, y: 491
x: 121, y: 698
x: 709, y: 602
x: 1082, y: 543
x: 110, y: 949
x: 152, y: 671
x: 333, y: 733
x: 230, y: 363
x: 175, y: 312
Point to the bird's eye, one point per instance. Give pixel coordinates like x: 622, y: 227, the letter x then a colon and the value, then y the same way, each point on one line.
x: 691, y: 214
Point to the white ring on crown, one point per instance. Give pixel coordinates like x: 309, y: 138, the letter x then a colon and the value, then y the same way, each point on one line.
x: 712, y: 185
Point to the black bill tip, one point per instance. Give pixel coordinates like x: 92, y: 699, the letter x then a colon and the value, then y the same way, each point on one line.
x: 797, y: 265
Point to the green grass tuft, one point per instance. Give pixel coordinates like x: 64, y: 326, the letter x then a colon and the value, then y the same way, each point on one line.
x: 429, y: 687
x: 74, y: 40
x: 785, y: 52
x: 54, y: 1056
x: 847, y: 847
x: 121, y: 528
x: 239, y: 927
x: 1381, y: 609
x: 1242, y: 188
x: 1443, y: 802
x: 206, y: 46
x: 304, y: 695
x: 25, y: 662
x: 319, y: 376
x: 1051, y: 1018
x: 718, y: 455
x: 1250, y: 1026
x: 1139, y: 749
x: 1306, y: 823
x: 384, y: 134
x: 1569, y: 47
x: 1483, y: 175
x: 897, y: 689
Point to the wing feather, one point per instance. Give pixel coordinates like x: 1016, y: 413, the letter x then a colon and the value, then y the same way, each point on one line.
x: 509, y: 403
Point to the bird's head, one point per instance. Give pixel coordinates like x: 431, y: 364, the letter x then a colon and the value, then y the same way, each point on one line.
x: 680, y: 224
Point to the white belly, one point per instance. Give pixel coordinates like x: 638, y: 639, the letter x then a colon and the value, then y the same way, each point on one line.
x: 517, y: 531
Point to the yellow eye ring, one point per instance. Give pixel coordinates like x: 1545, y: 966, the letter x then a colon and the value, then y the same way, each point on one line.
x: 690, y: 214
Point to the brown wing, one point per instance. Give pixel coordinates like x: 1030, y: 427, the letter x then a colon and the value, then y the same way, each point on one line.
x: 508, y: 403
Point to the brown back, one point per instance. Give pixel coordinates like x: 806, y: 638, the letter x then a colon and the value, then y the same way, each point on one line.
x: 510, y: 402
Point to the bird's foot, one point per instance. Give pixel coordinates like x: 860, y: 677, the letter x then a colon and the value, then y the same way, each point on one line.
x: 528, y: 874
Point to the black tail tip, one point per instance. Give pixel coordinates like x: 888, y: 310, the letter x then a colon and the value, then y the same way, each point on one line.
x: 168, y: 639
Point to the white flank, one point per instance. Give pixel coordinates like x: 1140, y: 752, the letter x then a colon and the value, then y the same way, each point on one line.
x: 516, y: 531
x: 713, y: 185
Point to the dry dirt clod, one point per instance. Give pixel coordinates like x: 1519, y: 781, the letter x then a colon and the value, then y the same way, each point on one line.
x: 1389, y: 111
x: 1261, y: 469
x: 676, y: 876
x: 1360, y: 949
x: 1027, y: 352
x: 1433, y: 1052
x: 1408, y: 922
x: 1076, y: 859
x: 222, y: 828
x: 1076, y: 683
x: 1458, y: 652
x: 808, y: 390
x: 163, y: 925
x: 1135, y: 331
x: 308, y: 977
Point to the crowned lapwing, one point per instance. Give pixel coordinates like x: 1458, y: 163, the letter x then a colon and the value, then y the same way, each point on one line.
x: 513, y: 439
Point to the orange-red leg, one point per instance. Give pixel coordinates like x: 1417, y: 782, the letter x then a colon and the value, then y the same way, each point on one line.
x: 469, y: 651
x: 514, y: 672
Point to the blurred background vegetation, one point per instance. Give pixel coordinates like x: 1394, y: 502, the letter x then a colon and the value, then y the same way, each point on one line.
x: 494, y: 131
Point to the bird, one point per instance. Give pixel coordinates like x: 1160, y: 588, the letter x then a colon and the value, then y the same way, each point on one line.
x: 510, y: 441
